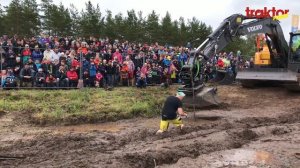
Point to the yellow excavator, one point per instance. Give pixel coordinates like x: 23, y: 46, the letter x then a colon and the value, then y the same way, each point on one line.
x: 276, y: 63
x: 262, y: 55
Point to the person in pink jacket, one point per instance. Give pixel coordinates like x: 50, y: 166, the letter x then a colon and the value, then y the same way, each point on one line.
x: 118, y: 55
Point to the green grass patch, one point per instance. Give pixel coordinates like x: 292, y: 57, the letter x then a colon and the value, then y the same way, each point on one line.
x: 62, y: 107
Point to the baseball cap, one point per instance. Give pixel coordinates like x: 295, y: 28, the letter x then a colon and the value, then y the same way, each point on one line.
x: 180, y: 94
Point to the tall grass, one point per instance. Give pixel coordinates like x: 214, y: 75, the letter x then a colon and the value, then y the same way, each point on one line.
x: 84, y: 106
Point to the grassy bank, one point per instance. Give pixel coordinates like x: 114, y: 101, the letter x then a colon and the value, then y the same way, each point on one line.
x: 83, y: 106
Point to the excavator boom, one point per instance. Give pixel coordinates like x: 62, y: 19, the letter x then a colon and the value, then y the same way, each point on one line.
x: 283, y: 67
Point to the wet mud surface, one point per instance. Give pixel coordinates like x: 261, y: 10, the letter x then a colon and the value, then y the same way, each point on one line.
x: 252, y: 128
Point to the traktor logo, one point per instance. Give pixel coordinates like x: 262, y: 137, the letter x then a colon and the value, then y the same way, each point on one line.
x: 267, y: 13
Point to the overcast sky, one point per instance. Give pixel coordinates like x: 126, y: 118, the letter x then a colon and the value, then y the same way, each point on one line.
x: 212, y: 12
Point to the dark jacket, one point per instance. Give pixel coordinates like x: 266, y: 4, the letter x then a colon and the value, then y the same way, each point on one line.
x: 26, y: 72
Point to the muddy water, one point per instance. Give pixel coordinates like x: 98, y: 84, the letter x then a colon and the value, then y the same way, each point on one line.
x: 243, y: 157
x: 115, y: 127
x: 249, y: 132
x: 84, y: 128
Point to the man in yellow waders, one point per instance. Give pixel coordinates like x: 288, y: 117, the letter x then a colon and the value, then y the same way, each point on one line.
x: 172, y: 108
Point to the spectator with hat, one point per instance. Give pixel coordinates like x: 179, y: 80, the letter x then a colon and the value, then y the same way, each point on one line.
x: 40, y: 78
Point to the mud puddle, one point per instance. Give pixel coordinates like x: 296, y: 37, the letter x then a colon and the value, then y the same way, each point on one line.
x: 248, y: 132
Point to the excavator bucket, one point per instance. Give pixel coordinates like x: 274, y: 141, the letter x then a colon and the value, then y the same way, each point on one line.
x: 223, y: 77
x: 206, y: 97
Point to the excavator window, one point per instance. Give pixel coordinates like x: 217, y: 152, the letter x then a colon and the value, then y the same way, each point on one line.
x: 295, y: 47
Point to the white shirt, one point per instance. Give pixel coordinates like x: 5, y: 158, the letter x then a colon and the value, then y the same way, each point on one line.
x: 48, y: 55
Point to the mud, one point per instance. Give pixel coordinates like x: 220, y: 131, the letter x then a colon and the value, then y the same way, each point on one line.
x: 253, y: 128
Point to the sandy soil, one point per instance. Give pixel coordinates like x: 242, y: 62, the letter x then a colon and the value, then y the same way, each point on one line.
x: 252, y: 128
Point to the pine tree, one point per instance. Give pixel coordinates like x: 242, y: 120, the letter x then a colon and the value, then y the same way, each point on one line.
x: 141, y: 33
x: 131, y: 26
x: 245, y: 44
x: 25, y: 17
x: 175, y: 33
x: 2, y: 30
x: 153, y: 27
x: 197, y: 29
x: 166, y: 29
x: 46, y: 6
x: 75, y: 20
x: 110, y: 26
x: 183, y: 32
x: 120, y: 26
x: 61, y: 20
x: 31, y: 22
x: 14, y: 18
x: 91, y: 22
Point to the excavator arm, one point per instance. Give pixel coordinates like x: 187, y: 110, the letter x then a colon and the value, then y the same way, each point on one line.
x: 193, y: 72
x: 234, y: 26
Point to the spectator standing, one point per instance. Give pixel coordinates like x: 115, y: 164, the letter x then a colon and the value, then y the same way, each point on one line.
x: 102, y: 69
x: 131, y: 68
x: 110, y: 71
x: 92, y: 73
x: 117, y: 55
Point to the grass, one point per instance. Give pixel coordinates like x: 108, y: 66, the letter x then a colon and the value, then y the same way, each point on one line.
x: 61, y: 107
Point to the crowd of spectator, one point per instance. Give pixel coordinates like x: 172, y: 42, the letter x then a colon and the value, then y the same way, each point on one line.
x: 62, y: 61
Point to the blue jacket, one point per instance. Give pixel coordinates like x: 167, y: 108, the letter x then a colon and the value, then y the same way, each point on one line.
x: 93, y: 70
x: 37, y: 55
x: 166, y: 62
x: 182, y: 58
x: 86, y: 65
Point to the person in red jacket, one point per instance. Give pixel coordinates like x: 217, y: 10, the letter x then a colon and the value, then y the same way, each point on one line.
x: 73, y: 77
x: 26, y: 54
x: 118, y: 55
x: 220, y: 63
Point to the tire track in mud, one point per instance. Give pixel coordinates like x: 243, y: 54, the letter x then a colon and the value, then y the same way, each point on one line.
x: 217, y: 137
x: 140, y: 147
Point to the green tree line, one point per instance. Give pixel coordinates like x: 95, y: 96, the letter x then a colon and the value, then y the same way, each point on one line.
x: 28, y: 18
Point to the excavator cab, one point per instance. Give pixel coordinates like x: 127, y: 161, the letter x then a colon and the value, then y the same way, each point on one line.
x: 284, y: 69
x: 262, y: 55
x: 295, y: 48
